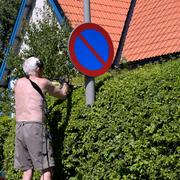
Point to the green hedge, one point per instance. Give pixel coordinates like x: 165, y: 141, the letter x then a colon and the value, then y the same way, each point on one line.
x: 131, y: 132
x: 4, y: 130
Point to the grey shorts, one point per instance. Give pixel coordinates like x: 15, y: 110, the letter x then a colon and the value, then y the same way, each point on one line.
x: 33, y: 148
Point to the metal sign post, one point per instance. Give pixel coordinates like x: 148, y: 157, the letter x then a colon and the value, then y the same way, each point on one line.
x: 89, y: 81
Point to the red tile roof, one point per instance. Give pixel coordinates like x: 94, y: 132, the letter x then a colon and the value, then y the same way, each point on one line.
x: 154, y: 29
x: 111, y: 15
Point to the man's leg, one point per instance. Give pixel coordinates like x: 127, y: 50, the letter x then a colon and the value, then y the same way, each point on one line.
x: 47, y: 174
x: 27, y: 175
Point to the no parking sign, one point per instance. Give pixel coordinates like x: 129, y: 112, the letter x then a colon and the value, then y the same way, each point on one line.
x: 91, y: 49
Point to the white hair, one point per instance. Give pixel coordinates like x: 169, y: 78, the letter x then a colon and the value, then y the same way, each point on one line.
x: 30, y: 65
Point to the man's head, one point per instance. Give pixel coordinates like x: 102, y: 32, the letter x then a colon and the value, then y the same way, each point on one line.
x: 32, y: 66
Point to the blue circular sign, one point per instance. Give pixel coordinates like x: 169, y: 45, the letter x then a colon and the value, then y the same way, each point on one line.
x: 91, y: 49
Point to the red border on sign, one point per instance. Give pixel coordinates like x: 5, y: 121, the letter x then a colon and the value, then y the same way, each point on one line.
x: 72, y: 40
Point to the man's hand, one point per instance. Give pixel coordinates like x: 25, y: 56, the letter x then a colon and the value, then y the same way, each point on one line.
x: 65, y: 88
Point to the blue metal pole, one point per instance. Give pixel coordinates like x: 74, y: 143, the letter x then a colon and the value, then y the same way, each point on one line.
x: 56, y: 10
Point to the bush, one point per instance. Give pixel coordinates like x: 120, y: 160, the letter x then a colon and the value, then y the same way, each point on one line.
x: 4, y: 129
x: 131, y: 132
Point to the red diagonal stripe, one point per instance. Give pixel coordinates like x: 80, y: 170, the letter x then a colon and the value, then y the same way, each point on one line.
x: 92, y: 50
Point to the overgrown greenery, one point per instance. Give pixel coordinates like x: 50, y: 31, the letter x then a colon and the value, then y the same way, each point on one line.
x: 132, y: 131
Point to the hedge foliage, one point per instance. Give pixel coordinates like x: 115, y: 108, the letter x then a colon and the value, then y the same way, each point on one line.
x: 4, y: 130
x: 131, y: 132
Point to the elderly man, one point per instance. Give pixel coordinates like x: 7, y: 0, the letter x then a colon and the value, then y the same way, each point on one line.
x: 33, y: 149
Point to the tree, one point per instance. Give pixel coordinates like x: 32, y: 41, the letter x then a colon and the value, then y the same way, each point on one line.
x: 47, y: 40
x: 8, y: 13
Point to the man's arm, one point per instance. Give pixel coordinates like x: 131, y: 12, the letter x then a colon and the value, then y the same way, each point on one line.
x: 56, y: 92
